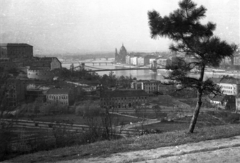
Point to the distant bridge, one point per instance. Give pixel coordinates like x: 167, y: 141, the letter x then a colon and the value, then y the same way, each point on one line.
x: 95, y: 69
x: 93, y: 63
x: 123, y: 69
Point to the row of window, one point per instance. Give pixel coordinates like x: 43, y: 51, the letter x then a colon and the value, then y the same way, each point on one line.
x: 57, y: 97
x: 151, y: 88
x: 150, y: 84
x: 227, y: 91
x: 118, y: 106
x: 37, y: 74
x: 127, y: 98
x: 227, y: 87
x: 61, y: 102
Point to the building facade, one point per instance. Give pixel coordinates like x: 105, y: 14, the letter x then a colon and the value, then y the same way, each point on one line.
x: 49, y: 63
x: 229, y: 86
x: 140, y: 61
x: 149, y: 86
x: 39, y: 73
x: 13, y: 51
x: 128, y: 59
x: 162, y: 62
x: 147, y: 59
x: 236, y: 60
x: 134, y: 60
x: 41, y: 68
x: 61, y: 96
x: 118, y: 99
x: 238, y: 103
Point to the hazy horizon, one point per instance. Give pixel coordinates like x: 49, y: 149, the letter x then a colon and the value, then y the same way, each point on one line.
x: 66, y: 27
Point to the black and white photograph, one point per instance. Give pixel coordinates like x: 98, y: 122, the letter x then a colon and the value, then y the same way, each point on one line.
x: 119, y: 81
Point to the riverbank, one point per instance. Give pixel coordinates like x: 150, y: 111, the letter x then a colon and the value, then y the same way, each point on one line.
x: 151, y: 75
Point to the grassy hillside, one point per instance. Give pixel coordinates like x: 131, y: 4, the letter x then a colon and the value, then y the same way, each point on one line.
x: 105, y: 148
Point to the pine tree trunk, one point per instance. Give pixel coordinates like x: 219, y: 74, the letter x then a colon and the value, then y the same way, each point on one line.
x: 196, y: 113
x: 199, y: 103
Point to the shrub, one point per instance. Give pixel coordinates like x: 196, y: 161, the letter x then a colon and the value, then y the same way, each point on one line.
x: 233, y: 118
x: 79, y: 110
x: 6, y: 135
x: 53, y: 108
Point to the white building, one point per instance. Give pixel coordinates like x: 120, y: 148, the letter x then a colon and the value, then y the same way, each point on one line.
x: 229, y: 85
x: 149, y: 86
x: 151, y: 61
x: 39, y: 73
x: 41, y: 68
x: 161, y: 61
x: 238, y: 103
x: 128, y: 61
x: 229, y: 89
x: 236, y: 60
x: 61, y: 96
x: 140, y: 61
x: 134, y: 60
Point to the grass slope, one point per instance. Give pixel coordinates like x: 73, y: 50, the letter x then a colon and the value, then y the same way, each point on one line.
x: 105, y: 148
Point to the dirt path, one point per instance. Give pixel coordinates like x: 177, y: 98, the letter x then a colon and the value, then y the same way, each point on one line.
x: 219, y: 150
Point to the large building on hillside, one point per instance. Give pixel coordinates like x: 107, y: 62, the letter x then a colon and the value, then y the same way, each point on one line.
x: 41, y: 68
x: 49, y: 63
x: 229, y: 85
x: 13, y: 51
x: 149, y: 86
x: 119, y: 99
x: 121, y: 56
x: 63, y: 96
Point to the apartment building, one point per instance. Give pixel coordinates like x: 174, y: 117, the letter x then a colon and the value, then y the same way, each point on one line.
x: 41, y: 68
x: 13, y: 51
x: 134, y: 60
x: 122, y: 98
x: 149, y: 86
x: 140, y: 61
x: 62, y: 96
x: 229, y: 85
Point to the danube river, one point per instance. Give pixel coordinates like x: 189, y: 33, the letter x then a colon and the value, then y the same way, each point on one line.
x: 139, y: 74
x: 147, y: 74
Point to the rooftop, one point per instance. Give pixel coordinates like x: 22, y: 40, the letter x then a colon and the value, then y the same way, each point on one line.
x: 58, y: 91
x: 229, y: 80
x: 148, y: 81
x: 226, y: 79
x: 217, y: 98
x: 14, y: 44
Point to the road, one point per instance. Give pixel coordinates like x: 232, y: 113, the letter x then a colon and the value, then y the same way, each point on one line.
x: 211, y: 151
x: 226, y: 155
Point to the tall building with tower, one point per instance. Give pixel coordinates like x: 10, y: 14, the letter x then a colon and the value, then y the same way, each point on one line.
x: 121, y: 56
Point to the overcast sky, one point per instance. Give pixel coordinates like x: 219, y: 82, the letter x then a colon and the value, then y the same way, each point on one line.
x: 73, y: 26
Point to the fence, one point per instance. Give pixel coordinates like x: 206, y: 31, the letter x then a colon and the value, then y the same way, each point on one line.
x: 28, y: 133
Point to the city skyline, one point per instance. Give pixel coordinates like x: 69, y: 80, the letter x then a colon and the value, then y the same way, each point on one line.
x: 58, y: 26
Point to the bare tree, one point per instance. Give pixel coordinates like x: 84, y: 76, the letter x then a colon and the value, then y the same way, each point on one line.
x: 4, y: 77
x: 141, y: 113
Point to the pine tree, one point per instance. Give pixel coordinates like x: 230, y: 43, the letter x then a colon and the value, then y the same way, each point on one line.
x: 196, y: 40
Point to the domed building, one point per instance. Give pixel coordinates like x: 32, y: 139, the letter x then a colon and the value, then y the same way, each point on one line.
x: 120, y: 57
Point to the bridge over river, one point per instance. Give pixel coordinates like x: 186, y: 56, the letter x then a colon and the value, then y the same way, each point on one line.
x: 95, y: 69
